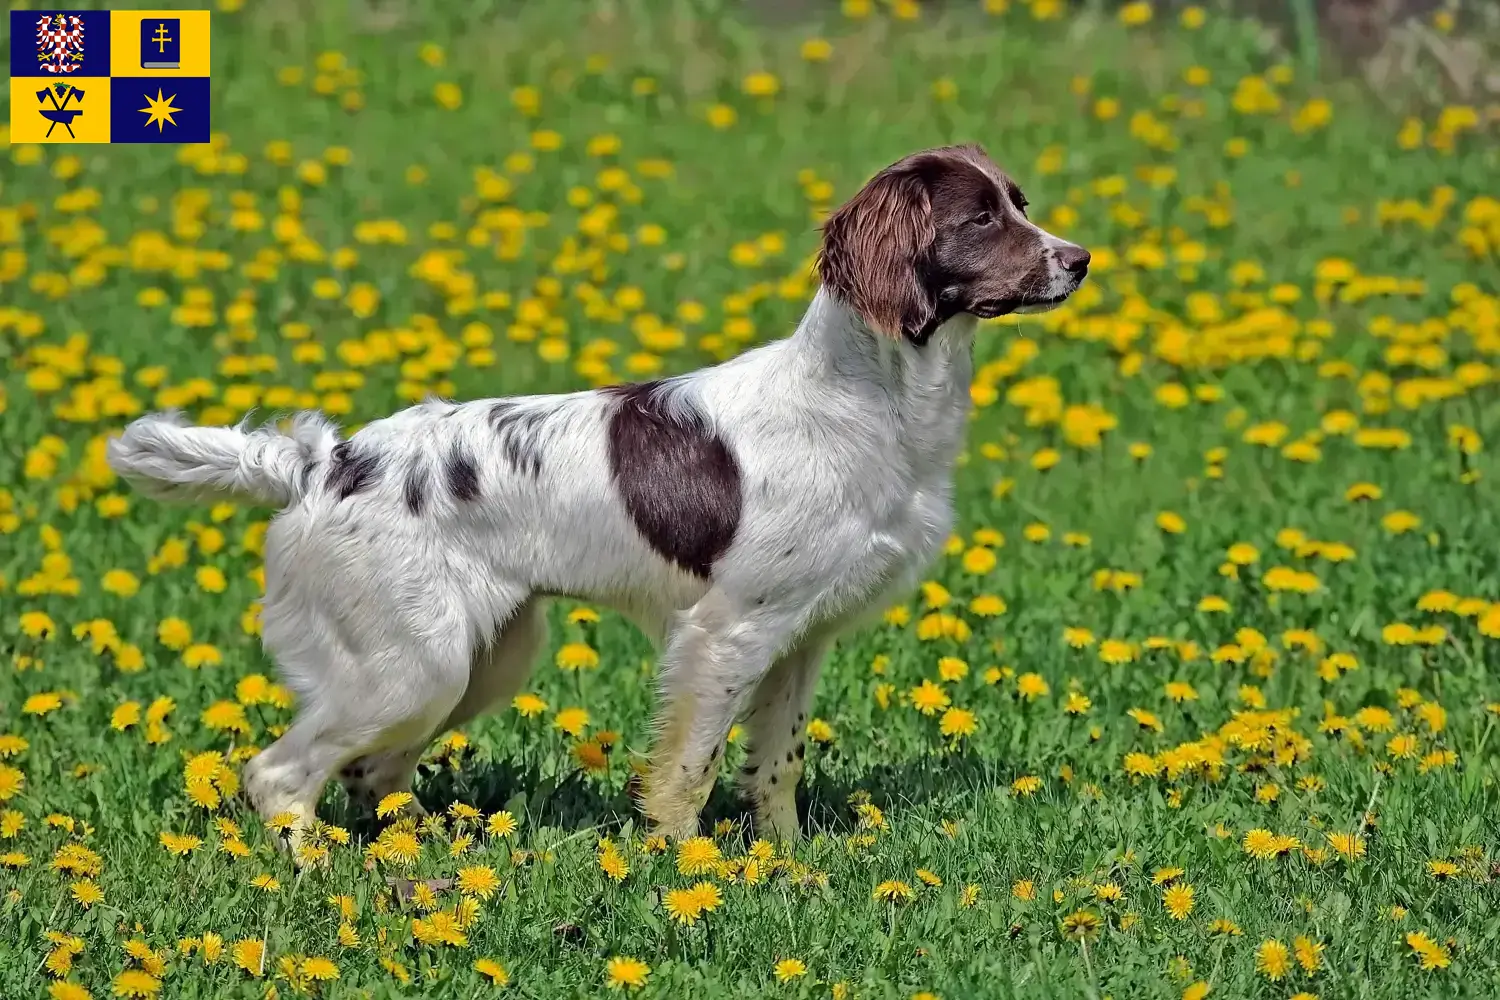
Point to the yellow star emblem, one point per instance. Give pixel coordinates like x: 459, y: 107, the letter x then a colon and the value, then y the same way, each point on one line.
x: 160, y: 109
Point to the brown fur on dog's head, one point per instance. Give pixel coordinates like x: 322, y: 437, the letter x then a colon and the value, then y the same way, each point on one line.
x: 938, y: 233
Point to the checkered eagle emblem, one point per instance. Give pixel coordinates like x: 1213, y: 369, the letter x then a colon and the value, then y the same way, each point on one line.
x: 59, y: 42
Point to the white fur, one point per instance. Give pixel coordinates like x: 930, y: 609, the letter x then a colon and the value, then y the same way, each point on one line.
x: 1060, y: 284
x: 166, y: 458
x: 392, y: 627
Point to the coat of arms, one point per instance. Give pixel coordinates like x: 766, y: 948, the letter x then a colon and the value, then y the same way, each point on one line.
x: 59, y: 42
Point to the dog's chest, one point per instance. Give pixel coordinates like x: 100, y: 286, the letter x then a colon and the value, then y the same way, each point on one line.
x: 914, y: 531
x: 887, y: 562
x: 909, y: 524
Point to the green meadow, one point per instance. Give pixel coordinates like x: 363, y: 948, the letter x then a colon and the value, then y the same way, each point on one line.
x: 1199, y: 702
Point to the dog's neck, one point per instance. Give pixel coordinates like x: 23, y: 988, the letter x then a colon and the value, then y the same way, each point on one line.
x: 835, y: 336
x: 925, y: 388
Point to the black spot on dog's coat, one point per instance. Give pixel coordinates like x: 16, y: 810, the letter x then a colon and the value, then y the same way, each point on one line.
x: 463, y: 476
x: 414, y: 491
x: 679, y: 481
x: 519, y: 430
x: 350, y: 471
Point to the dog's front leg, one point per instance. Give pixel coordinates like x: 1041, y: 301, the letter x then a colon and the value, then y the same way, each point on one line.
x: 775, y: 724
x: 713, y: 660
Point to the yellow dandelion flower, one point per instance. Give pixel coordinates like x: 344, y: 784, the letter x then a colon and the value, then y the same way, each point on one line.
x: 957, y: 723
x: 478, y: 881
x: 1349, y: 845
x: 893, y: 891
x: 135, y: 983
x: 577, y: 656
x: 928, y: 698
x: 180, y: 844
x: 1077, y: 703
x: 501, y: 824
x: 1428, y: 952
x: 42, y: 703
x: 528, y: 705
x: 1309, y: 954
x: 1032, y: 686
x: 708, y: 896
x: 819, y: 731
x: 1080, y: 924
x: 571, y: 720
x: 682, y: 906
x: 698, y: 856
x: 86, y: 893
x: 788, y: 969
x: 761, y: 85
x: 623, y: 971
x: 1272, y: 959
x: 1177, y: 900
x: 493, y: 971
x: 393, y: 803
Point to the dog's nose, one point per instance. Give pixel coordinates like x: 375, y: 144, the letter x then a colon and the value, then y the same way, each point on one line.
x: 1073, y: 259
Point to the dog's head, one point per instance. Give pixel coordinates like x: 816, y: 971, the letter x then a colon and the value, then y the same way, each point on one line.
x: 939, y: 233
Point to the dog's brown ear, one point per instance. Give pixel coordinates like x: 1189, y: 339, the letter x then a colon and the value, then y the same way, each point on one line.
x: 873, y: 251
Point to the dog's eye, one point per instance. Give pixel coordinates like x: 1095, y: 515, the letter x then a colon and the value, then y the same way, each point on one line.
x: 982, y: 219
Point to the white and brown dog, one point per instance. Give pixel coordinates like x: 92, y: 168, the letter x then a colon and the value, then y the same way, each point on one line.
x: 743, y: 515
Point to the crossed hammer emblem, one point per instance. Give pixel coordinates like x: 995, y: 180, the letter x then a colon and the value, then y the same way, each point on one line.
x: 60, y: 114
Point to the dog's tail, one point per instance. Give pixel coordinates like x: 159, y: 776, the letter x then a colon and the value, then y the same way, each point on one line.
x: 167, y: 458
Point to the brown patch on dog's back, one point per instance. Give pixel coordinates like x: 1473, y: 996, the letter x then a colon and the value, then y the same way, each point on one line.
x: 679, y: 482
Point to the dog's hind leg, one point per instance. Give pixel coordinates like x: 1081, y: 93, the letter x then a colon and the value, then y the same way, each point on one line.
x: 370, y: 778
x: 498, y: 672
x: 502, y: 667
x: 351, y: 706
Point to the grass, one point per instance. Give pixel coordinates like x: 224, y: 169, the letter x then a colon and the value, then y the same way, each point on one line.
x: 1222, y: 586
